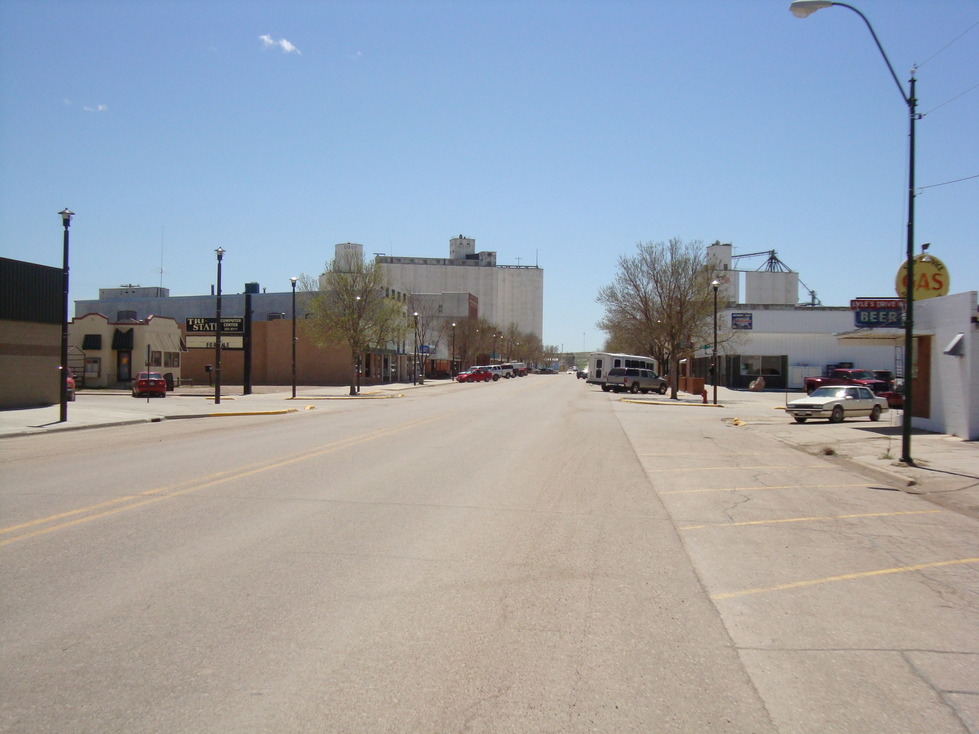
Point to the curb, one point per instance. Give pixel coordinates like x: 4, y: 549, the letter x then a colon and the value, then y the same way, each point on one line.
x: 348, y: 397
x: 230, y: 413
x: 134, y: 421
x: 686, y: 403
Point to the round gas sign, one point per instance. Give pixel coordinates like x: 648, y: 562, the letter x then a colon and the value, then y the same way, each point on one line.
x: 931, y: 278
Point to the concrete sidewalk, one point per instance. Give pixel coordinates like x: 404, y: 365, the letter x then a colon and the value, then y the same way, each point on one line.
x: 946, y: 468
x: 100, y: 408
x: 945, y: 471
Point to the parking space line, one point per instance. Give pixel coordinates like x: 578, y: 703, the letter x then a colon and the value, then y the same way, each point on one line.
x: 842, y: 577
x: 728, y: 467
x: 808, y: 519
x: 759, y: 489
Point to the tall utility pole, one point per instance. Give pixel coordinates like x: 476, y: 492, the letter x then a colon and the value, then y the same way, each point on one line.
x: 63, y: 370
x: 217, y: 327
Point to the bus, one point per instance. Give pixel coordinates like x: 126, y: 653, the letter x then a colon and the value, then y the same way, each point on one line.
x: 599, y: 363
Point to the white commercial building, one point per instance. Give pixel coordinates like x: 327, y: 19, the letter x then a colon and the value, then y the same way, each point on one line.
x: 507, y: 294
x: 768, y: 333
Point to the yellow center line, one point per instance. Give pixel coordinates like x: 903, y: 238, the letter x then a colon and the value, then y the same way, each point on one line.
x: 158, y: 494
x: 808, y: 519
x: 842, y: 577
x: 758, y: 489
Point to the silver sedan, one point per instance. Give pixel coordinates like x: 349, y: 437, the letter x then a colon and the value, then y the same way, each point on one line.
x: 838, y: 403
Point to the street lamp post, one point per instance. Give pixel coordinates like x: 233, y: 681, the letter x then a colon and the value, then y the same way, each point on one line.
x: 452, y: 364
x: 803, y: 9
x: 414, y: 371
x: 217, y: 336
x: 293, y: 281
x: 716, y: 365
x: 63, y: 368
x: 357, y: 360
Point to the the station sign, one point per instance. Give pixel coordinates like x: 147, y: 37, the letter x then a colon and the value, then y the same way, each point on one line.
x: 229, y: 325
x: 931, y: 278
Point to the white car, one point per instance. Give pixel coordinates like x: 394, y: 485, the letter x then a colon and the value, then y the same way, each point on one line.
x: 838, y: 403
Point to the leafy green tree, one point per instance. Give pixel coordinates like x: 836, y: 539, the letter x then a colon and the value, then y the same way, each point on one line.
x: 348, y: 305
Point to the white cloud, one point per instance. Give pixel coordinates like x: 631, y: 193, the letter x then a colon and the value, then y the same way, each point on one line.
x: 286, y: 46
x: 97, y: 108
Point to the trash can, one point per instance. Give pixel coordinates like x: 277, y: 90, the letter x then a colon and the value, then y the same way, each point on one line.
x: 168, y: 378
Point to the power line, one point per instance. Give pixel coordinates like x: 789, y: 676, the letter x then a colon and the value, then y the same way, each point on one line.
x: 943, y: 48
x: 961, y: 94
x: 946, y: 183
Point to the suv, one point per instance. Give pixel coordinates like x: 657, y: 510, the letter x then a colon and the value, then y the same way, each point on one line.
x: 635, y: 380
x: 501, y: 370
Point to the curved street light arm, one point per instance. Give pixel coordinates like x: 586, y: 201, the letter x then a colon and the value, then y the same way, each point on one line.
x: 803, y: 8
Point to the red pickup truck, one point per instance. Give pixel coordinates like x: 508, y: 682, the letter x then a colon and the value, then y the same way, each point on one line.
x: 845, y: 376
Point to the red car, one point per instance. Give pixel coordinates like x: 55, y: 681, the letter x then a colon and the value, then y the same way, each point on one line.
x: 149, y: 383
x: 70, y: 379
x: 475, y: 374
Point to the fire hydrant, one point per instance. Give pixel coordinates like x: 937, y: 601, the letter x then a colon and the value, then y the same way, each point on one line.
x: 703, y: 394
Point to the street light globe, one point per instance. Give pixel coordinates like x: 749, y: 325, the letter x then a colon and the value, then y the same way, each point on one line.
x: 805, y: 8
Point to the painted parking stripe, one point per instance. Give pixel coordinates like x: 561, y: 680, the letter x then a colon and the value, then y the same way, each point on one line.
x: 759, y: 489
x: 843, y: 577
x: 808, y: 519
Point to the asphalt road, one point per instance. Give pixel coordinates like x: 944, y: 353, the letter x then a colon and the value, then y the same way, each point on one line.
x: 529, y: 555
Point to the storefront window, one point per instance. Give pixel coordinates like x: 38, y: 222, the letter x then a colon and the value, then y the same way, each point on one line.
x: 93, y: 366
x: 768, y: 366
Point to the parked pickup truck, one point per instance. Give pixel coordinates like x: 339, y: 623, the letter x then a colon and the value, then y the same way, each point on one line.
x: 847, y: 376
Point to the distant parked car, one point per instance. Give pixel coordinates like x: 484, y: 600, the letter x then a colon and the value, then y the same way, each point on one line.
x: 635, y: 379
x: 149, y: 383
x: 70, y: 379
x: 500, y: 370
x: 837, y: 404
x: 894, y: 396
x: 475, y: 374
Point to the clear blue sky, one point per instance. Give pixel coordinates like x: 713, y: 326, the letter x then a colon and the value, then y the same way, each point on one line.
x: 558, y: 132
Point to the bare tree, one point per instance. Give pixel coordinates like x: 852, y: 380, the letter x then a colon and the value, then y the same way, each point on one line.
x: 660, y: 302
x: 430, y: 327
x: 348, y: 305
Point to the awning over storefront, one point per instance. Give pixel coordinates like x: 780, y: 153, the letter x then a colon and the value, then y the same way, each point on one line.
x: 122, y: 340
x: 172, y: 343
x: 873, y: 337
x: 92, y: 342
